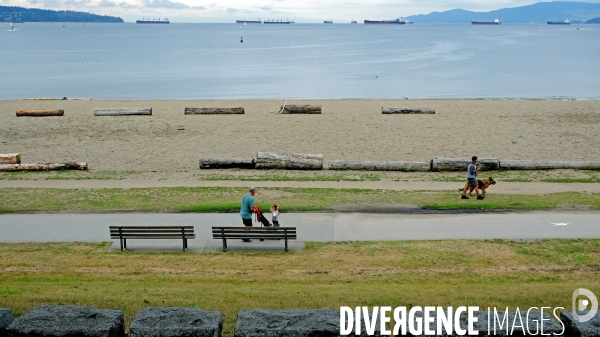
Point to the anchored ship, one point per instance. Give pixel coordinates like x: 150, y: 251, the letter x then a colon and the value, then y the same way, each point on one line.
x: 248, y: 21
x: 328, y: 21
x: 353, y: 21
x: 278, y: 22
x: 153, y: 21
x: 566, y: 22
x: 488, y: 23
x: 399, y: 21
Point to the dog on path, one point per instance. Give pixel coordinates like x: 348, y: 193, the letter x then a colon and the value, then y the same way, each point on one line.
x: 483, y: 184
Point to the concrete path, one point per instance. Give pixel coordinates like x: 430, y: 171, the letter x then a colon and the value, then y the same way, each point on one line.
x: 532, y: 188
x: 322, y: 227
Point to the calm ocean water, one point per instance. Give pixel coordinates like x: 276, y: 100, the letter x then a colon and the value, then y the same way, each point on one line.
x: 201, y: 61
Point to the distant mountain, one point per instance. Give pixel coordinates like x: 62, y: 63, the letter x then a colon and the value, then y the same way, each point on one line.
x: 594, y: 20
x: 537, y: 13
x: 20, y: 14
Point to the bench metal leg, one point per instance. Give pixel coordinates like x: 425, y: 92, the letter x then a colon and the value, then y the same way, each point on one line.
x: 125, y: 243
x: 121, y: 237
x: 184, y: 239
x: 224, y: 240
x: 285, y: 234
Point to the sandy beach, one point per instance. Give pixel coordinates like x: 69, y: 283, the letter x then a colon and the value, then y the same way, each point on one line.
x: 348, y: 129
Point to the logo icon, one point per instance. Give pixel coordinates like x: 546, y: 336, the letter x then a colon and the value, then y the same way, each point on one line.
x: 582, y: 305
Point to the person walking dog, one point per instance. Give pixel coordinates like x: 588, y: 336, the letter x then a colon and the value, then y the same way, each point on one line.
x: 247, y: 209
x: 472, y: 170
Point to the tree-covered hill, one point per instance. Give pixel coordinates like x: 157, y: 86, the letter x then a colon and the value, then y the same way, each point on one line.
x: 20, y: 14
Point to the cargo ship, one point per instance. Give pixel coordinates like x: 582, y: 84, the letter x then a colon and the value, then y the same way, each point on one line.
x: 566, y: 22
x: 328, y: 21
x: 353, y: 21
x: 247, y: 21
x: 153, y: 21
x: 399, y: 21
x: 278, y: 22
x: 487, y: 23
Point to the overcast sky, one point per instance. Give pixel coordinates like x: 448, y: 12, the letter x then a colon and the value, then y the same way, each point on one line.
x: 299, y: 10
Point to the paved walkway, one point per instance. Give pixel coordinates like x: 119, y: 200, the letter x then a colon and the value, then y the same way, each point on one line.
x: 532, y: 188
x: 322, y: 227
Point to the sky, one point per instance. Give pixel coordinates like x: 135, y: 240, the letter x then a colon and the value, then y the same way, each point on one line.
x: 298, y: 10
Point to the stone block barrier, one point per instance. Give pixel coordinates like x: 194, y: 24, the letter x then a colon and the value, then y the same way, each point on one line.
x: 297, y: 323
x: 68, y: 320
x: 590, y: 328
x: 5, y: 320
x: 176, y: 322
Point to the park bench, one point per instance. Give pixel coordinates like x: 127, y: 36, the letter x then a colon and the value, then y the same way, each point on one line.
x: 123, y: 233
x: 260, y: 233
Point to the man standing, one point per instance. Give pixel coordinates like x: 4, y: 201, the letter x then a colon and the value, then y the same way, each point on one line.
x: 247, y: 208
x: 472, y: 170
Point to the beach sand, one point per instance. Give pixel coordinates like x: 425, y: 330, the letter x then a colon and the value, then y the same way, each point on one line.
x: 348, y: 129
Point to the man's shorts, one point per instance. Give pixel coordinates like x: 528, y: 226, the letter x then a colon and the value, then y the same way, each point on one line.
x: 247, y: 222
x: 472, y: 181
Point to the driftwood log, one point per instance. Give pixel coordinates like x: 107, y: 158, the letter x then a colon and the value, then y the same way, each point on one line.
x: 214, y: 111
x: 122, y: 111
x: 460, y: 164
x: 379, y: 165
x: 10, y: 158
x: 289, y: 161
x: 300, y: 109
x: 40, y: 113
x: 43, y: 167
x: 407, y: 111
x: 548, y: 165
x: 218, y: 163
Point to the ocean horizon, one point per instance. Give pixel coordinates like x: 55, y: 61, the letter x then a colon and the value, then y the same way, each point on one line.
x: 300, y: 61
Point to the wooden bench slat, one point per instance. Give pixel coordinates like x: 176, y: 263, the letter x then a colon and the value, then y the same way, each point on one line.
x: 128, y: 231
x: 151, y: 227
x: 156, y: 235
x: 242, y: 237
x: 254, y: 228
x: 152, y: 237
x: 242, y: 229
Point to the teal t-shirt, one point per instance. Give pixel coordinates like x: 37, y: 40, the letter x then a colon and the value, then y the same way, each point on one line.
x: 247, y: 203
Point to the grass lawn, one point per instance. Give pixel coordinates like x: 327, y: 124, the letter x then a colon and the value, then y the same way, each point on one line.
x: 550, y: 176
x: 225, y: 199
x: 325, y: 275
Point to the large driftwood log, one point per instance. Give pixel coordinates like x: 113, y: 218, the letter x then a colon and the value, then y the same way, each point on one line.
x: 217, y: 163
x: 122, y: 111
x: 214, y: 111
x: 407, y: 111
x: 378, y: 165
x: 10, y: 158
x: 460, y: 164
x: 300, y: 109
x: 40, y: 113
x: 289, y: 161
x: 548, y: 165
x: 43, y: 167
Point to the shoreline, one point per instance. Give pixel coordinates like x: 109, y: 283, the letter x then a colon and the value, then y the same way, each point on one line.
x: 404, y: 99
x: 346, y: 130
